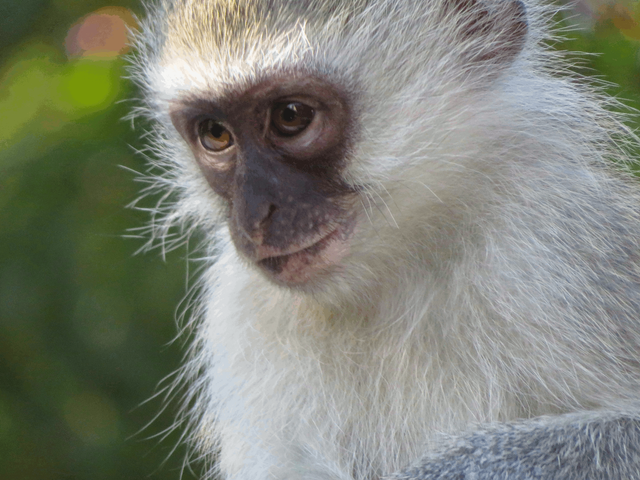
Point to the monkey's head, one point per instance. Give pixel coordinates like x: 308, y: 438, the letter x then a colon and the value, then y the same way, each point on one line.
x: 275, y: 153
x: 313, y: 130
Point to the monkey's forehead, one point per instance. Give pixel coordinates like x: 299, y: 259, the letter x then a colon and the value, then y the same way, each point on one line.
x: 209, y: 44
x: 212, y: 44
x: 224, y: 21
x: 236, y: 28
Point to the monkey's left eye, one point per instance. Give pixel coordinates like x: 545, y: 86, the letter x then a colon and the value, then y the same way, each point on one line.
x: 291, y: 118
x: 214, y: 136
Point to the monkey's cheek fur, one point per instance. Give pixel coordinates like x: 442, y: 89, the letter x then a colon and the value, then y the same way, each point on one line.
x: 309, y: 263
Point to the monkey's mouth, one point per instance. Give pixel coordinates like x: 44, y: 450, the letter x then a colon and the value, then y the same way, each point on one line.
x: 301, y: 266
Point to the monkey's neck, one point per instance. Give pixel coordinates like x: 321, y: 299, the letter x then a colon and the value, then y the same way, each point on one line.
x: 431, y: 355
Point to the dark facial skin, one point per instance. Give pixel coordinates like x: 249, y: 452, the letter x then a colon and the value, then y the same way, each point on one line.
x: 275, y: 153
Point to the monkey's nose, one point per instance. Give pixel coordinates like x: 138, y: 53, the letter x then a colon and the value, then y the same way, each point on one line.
x: 256, y: 221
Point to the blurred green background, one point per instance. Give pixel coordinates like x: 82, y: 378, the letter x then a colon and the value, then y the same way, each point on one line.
x: 86, y: 326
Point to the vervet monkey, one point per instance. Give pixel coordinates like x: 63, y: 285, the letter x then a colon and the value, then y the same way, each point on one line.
x: 422, y: 240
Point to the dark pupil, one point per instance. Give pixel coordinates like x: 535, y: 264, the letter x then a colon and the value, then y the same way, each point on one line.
x: 216, y: 130
x: 290, y: 119
x: 290, y: 113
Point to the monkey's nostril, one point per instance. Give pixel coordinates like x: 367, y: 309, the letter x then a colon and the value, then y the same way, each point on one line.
x: 272, y: 210
x: 264, y: 223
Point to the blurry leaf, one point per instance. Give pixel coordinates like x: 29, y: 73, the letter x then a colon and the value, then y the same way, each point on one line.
x: 86, y: 86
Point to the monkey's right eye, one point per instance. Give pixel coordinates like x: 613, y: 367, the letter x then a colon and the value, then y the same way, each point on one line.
x: 214, y: 136
x: 291, y: 118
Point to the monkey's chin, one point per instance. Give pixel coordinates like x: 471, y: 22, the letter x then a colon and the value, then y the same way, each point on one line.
x: 301, y: 267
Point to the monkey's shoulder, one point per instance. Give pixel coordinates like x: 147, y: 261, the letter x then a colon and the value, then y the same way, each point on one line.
x: 594, y: 446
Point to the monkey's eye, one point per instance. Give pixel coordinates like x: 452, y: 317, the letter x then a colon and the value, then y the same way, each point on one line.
x: 214, y: 136
x: 291, y: 118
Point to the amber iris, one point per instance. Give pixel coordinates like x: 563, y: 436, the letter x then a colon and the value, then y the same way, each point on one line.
x: 291, y: 118
x: 214, y: 136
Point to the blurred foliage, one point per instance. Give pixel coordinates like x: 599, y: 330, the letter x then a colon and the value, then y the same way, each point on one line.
x: 85, y: 326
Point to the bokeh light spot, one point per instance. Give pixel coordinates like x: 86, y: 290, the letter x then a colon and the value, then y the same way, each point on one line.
x: 103, y: 33
x: 92, y: 417
x: 22, y: 91
x: 625, y: 18
x: 88, y: 85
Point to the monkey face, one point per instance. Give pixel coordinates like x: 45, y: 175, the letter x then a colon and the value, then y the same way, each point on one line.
x: 304, y: 129
x: 274, y: 152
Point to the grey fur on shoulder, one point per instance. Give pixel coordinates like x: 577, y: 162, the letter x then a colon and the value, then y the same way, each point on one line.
x: 582, y: 446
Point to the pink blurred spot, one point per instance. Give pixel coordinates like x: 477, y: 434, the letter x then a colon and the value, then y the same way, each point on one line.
x: 102, y: 33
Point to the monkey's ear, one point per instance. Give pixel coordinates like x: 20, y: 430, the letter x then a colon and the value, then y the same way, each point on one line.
x: 494, y: 31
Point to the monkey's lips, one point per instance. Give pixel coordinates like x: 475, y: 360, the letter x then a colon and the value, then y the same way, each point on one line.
x: 301, y: 265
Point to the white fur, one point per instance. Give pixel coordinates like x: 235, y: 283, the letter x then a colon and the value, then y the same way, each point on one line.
x: 484, y: 283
